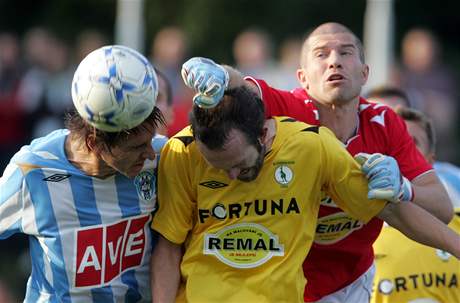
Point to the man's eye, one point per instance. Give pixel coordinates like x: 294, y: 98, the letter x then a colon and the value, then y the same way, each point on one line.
x: 244, y: 171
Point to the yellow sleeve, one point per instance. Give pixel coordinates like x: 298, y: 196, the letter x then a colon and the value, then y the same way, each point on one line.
x: 176, y: 195
x: 344, y: 181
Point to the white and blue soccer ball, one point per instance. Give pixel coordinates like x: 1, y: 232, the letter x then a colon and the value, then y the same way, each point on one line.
x: 114, y: 88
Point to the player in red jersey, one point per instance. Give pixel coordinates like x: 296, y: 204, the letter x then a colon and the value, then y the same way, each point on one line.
x: 339, y: 267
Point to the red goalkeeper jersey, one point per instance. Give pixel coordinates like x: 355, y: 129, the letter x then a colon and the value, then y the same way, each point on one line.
x: 342, y: 250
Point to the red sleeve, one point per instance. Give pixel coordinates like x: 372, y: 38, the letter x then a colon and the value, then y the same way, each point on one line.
x: 283, y: 103
x: 411, y: 162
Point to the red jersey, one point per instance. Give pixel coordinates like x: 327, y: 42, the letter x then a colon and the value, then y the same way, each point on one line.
x: 342, y: 251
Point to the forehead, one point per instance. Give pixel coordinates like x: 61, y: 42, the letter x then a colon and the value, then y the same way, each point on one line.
x: 145, y: 132
x: 330, y: 40
x: 416, y: 129
x: 235, y: 151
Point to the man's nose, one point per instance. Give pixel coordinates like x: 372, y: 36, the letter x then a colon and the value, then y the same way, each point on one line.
x: 334, y: 60
x: 149, y: 153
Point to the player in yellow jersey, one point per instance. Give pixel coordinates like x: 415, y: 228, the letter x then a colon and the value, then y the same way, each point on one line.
x: 238, y: 204
x: 406, y: 271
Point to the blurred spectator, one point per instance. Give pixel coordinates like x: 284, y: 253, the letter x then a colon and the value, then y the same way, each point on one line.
x: 388, y: 95
x: 164, y: 101
x: 36, y: 51
x: 44, y: 90
x: 289, y: 54
x: 430, y: 86
x: 5, y: 294
x: 168, y: 51
x: 252, y: 51
x: 87, y: 41
x: 13, y: 132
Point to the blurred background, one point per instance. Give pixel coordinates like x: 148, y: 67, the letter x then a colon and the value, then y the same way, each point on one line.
x: 409, y: 44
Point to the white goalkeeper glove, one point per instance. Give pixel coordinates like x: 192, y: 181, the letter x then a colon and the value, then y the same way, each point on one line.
x: 208, y: 79
x: 385, y: 179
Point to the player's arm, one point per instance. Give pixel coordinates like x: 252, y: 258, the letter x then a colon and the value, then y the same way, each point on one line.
x: 419, y: 225
x: 165, y: 269
x: 429, y: 193
x: 349, y: 189
x: 386, y: 182
x: 13, y: 195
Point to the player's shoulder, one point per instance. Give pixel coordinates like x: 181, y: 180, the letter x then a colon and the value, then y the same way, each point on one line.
x: 290, y: 126
x: 43, y: 150
x: 300, y: 133
x: 447, y: 168
x: 376, y: 115
x: 182, y: 141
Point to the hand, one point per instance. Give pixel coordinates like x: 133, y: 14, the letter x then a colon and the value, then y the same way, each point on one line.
x: 385, y: 179
x: 208, y: 79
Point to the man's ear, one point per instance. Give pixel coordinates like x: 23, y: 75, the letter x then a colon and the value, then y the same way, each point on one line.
x: 302, y: 78
x: 263, y: 138
x: 365, y: 73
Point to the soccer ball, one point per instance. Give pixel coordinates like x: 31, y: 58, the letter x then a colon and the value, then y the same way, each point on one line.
x: 114, y: 88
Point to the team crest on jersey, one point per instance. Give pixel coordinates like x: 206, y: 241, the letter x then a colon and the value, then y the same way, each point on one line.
x: 244, y: 245
x: 283, y: 174
x: 145, y: 185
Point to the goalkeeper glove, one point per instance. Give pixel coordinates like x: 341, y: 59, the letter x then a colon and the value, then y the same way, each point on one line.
x: 208, y: 79
x: 385, y: 179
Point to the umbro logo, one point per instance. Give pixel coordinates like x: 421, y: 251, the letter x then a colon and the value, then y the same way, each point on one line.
x: 56, y: 177
x: 213, y: 184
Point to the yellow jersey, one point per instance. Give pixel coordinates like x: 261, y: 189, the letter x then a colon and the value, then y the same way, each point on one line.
x: 246, y: 241
x: 409, y: 272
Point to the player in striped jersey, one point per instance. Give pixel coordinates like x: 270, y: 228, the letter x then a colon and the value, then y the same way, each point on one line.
x: 85, y: 197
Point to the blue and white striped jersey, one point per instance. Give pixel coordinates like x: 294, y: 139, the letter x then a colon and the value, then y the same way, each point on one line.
x: 90, y: 238
x: 450, y: 177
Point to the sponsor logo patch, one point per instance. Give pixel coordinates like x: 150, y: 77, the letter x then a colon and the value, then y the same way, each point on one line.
x: 244, y: 245
x: 104, y: 252
x: 213, y: 184
x: 56, y: 177
x: 333, y: 228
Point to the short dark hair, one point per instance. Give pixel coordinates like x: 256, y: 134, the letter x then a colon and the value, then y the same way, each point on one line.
x: 413, y: 115
x: 240, y: 109
x: 81, y: 129
x: 389, y: 91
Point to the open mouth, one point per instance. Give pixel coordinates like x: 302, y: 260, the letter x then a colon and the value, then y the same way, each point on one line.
x: 335, y: 77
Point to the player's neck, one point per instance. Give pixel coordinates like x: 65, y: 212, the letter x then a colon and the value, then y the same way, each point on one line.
x: 342, y: 119
x: 86, y: 160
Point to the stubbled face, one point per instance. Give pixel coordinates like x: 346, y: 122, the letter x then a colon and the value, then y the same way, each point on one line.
x: 239, y: 159
x: 129, y: 155
x: 333, y: 72
x: 420, y: 138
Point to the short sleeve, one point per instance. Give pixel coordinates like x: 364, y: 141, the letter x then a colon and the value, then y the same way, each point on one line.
x: 402, y: 147
x: 12, y: 193
x: 176, y: 196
